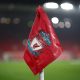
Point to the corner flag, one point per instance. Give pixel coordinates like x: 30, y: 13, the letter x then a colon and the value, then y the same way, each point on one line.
x: 43, y: 46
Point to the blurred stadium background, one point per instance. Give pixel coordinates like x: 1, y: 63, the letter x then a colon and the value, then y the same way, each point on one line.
x: 16, y: 18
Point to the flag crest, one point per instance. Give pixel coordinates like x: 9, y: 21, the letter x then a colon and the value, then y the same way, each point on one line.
x: 43, y: 46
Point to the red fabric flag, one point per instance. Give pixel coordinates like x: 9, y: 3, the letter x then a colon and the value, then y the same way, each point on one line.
x: 43, y: 46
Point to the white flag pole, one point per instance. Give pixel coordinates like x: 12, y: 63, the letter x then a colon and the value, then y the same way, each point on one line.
x: 41, y: 75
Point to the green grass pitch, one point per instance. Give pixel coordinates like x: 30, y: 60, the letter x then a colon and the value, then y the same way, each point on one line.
x: 58, y: 70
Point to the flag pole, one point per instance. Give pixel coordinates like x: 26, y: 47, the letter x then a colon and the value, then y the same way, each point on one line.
x: 41, y: 75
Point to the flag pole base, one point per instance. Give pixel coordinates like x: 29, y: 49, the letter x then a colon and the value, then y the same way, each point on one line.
x: 41, y: 75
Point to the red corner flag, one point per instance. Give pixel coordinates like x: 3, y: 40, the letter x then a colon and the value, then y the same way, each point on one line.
x: 43, y: 46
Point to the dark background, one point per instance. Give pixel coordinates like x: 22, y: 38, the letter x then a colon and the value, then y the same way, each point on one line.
x: 25, y: 11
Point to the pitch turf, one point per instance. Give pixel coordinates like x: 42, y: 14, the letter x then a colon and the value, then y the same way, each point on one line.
x: 62, y: 70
